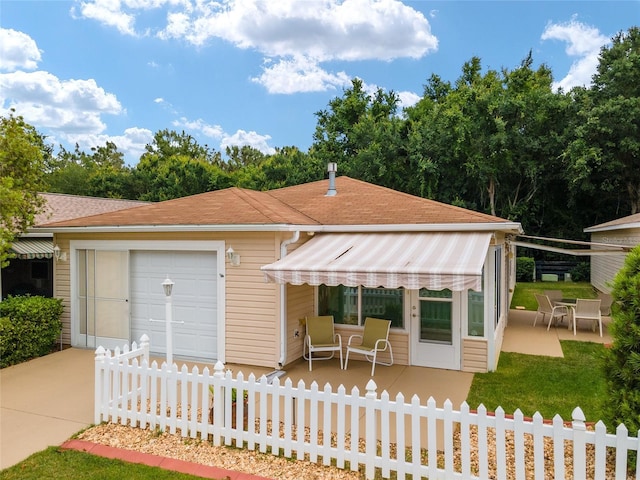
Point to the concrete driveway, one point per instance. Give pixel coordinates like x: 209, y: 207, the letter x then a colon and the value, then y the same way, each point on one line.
x: 43, y: 402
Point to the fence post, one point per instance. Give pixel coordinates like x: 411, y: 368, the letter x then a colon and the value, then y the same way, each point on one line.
x: 579, y: 442
x: 218, y: 402
x: 144, y: 346
x: 371, y: 433
x: 98, y: 385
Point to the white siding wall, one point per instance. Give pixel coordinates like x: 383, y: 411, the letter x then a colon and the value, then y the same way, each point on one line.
x: 605, y: 267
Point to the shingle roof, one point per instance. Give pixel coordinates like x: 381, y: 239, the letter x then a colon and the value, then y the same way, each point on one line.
x: 356, y: 203
x: 59, y: 207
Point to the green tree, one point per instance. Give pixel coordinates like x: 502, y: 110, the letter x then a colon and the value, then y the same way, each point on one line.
x: 175, y: 165
x: 622, y: 359
x: 22, y: 160
x: 362, y: 133
x: 603, y: 158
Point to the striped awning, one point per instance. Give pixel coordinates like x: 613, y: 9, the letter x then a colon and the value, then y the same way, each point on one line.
x: 30, y: 248
x: 411, y: 260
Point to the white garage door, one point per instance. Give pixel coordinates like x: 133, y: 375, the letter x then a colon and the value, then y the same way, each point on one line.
x: 194, y: 301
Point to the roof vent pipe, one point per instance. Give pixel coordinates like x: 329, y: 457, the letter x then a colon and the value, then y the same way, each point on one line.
x: 332, y: 168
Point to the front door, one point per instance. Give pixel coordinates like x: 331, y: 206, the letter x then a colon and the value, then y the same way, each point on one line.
x: 103, y: 298
x: 435, y: 329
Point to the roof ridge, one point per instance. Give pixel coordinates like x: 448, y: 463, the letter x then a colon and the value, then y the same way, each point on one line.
x: 265, y: 209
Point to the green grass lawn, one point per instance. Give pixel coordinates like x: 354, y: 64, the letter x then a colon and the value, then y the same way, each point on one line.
x: 549, y: 385
x: 55, y: 463
x: 524, y: 293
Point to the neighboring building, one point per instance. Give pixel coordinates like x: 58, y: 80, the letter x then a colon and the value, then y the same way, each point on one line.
x: 248, y: 266
x: 623, y: 231
x: 31, y: 270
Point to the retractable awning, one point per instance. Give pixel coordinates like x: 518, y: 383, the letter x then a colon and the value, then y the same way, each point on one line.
x: 411, y: 260
x: 30, y: 248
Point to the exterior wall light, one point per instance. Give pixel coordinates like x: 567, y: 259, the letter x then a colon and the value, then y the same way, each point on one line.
x: 59, y: 255
x: 233, y: 257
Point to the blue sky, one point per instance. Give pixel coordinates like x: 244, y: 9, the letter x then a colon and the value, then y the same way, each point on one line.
x: 254, y: 72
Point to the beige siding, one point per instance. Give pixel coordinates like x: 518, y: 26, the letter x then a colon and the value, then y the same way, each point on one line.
x: 605, y: 267
x: 300, y: 303
x: 62, y: 288
x: 252, y: 305
x: 474, y: 355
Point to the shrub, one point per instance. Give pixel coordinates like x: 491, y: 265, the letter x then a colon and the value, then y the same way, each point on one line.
x: 525, y: 269
x: 622, y: 359
x: 581, y: 272
x: 29, y: 327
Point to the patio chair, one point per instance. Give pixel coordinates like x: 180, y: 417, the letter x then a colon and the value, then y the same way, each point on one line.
x: 606, y: 299
x: 587, y: 310
x: 321, y: 337
x: 553, y: 295
x: 374, y: 339
x: 546, y: 308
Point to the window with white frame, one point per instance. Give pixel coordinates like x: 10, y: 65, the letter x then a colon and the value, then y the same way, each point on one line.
x: 351, y: 305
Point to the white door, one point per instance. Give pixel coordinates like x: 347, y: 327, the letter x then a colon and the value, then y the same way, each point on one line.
x: 194, y: 300
x: 103, y: 298
x: 435, y: 329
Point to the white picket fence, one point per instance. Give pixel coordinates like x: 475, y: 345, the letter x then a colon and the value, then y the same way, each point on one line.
x: 350, y: 429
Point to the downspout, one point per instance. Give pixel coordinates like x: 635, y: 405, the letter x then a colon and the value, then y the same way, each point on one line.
x: 283, y: 305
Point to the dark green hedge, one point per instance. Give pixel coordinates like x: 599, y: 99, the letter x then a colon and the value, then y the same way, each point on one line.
x: 29, y: 328
x: 525, y: 269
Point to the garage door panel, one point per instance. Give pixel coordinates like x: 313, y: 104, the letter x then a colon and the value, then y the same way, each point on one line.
x: 193, y: 297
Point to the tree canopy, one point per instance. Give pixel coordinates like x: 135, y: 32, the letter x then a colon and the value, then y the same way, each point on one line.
x: 22, y: 161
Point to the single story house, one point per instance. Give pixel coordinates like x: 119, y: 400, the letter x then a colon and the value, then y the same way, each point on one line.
x: 31, y: 269
x: 248, y: 266
x: 623, y: 231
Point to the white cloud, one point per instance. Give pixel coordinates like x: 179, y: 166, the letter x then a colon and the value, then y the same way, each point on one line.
x: 584, y: 43
x: 132, y: 143
x: 251, y: 139
x: 17, y: 51
x: 299, y: 74
x: 64, y: 105
x: 216, y: 132
x: 297, y: 35
x: 212, y: 131
x: 408, y: 99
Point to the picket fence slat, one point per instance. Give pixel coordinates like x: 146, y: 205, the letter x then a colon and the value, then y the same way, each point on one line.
x: 312, y: 422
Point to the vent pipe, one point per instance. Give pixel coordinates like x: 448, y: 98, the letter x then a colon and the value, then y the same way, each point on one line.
x: 332, y: 168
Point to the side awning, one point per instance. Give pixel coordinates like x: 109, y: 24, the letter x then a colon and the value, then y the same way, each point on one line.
x: 30, y: 248
x: 411, y: 260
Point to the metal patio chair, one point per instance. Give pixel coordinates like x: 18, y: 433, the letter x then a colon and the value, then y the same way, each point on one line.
x: 321, y: 337
x: 546, y: 308
x: 587, y: 310
x: 374, y: 339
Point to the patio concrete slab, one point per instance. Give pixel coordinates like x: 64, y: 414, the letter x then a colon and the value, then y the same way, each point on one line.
x: 521, y: 336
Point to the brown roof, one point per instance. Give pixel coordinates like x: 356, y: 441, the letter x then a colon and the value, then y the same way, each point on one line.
x: 356, y: 203
x: 59, y: 207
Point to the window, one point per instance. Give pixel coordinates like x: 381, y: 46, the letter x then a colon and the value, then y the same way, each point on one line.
x: 351, y: 305
x: 436, y: 316
x: 498, y: 284
x: 475, y: 314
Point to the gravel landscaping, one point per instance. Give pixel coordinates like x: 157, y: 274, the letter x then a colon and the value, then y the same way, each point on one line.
x: 279, y: 467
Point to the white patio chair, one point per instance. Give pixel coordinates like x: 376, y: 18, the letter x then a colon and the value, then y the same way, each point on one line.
x: 546, y: 308
x: 587, y: 310
x: 553, y: 295
x: 374, y: 339
x: 321, y: 337
x: 606, y: 301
